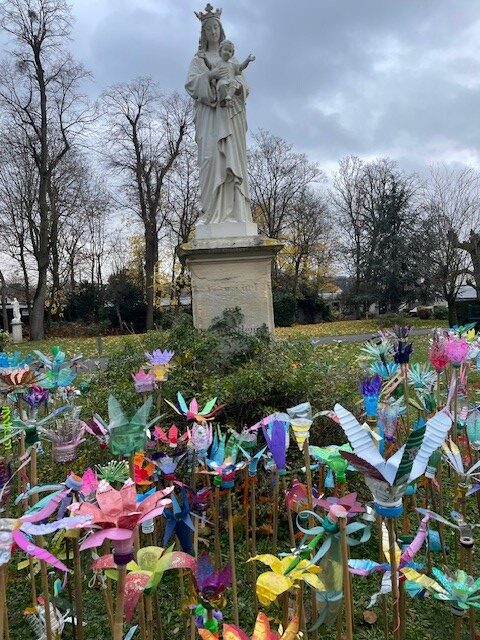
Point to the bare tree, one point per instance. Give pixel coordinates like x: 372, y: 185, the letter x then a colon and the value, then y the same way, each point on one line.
x: 144, y: 133
x: 307, y: 238
x: 3, y: 295
x: 39, y: 93
x: 277, y: 176
x: 452, y: 200
x: 183, y: 207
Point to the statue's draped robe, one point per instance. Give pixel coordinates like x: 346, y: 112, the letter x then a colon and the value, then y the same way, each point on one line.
x: 220, y: 134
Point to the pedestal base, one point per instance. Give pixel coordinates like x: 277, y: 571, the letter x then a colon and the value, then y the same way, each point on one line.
x: 225, y: 230
x: 17, y: 335
x: 228, y: 273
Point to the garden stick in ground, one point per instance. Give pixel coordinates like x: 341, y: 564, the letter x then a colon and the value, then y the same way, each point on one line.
x: 394, y: 576
x: 275, y: 511
x: 231, y: 543
x: 78, y: 590
x: 253, y: 511
x: 119, y: 603
x: 347, y: 593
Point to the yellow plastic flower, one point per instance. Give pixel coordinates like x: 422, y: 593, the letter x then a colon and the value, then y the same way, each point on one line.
x: 283, y: 577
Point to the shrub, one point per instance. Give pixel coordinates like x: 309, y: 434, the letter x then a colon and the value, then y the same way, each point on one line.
x: 284, y: 308
x: 86, y: 303
x: 4, y: 340
x: 388, y: 320
x: 424, y: 313
x: 440, y: 313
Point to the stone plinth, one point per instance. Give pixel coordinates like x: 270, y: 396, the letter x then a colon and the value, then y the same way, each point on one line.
x: 17, y: 335
x: 225, y: 230
x: 231, y: 272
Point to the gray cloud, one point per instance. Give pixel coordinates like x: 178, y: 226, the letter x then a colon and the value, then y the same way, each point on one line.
x: 370, y: 77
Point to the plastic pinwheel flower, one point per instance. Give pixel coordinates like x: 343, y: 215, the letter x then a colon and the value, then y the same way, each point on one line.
x: 262, y: 631
x: 126, y: 435
x: 143, y: 469
x: 145, y: 574
x: 379, y: 349
x: 385, y: 370
x: 144, y: 381
x: 459, y: 588
x: 370, y: 389
x: 388, y: 414
x: 297, y: 497
x: 35, y: 397
x: 402, y: 352
x: 118, y: 514
x: 349, y: 502
x: 331, y: 457
x: 159, y: 362
x: 172, y: 437
x: 468, y: 478
x: 456, y: 350
x: 285, y: 573
x: 458, y: 523
x: 388, y: 479
x: 191, y: 412
x: 12, y: 361
x: 421, y: 377
x: 17, y: 381
x: 200, y: 436
x: 179, y: 522
x: 404, y: 559
x: 210, y: 584
x: 276, y: 437
x: 20, y: 531
x: 437, y: 355
x: 115, y: 471
x: 95, y: 428
x: 473, y: 428
x: 168, y: 464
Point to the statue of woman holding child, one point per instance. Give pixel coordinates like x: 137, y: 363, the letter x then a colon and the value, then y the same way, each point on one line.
x: 216, y: 83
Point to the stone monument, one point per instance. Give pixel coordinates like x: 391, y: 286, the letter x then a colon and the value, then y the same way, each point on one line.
x: 17, y: 335
x: 230, y: 264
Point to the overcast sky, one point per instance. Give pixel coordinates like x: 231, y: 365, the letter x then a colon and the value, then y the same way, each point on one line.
x: 368, y: 77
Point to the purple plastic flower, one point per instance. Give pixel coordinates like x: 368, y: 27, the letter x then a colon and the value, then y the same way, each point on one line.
x: 276, y: 437
x: 159, y: 357
x: 403, y: 351
x: 36, y: 396
x: 210, y: 583
x: 371, y: 386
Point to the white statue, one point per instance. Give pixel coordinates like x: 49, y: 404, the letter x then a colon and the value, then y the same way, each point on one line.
x: 228, y: 85
x: 220, y: 131
x: 16, y: 311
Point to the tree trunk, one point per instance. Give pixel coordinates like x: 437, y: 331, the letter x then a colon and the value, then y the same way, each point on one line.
x: 151, y: 260
x: 452, y: 313
x: 3, y: 285
x: 37, y: 327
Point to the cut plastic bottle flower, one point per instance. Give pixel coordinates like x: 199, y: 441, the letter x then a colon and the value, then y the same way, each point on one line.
x: 282, y: 577
x: 145, y: 574
x: 437, y: 355
x: 459, y: 588
x: 118, y: 513
x: 144, y: 381
x: 172, y: 437
x: 456, y: 350
x: 157, y: 356
x: 192, y: 412
x: 262, y: 631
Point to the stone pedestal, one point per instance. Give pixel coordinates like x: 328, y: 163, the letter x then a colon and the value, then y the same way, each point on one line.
x: 17, y: 335
x: 231, y: 272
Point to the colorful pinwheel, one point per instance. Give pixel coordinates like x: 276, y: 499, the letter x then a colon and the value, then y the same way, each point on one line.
x: 145, y: 574
x: 262, y: 631
x: 172, y: 437
x: 179, y: 522
x: 388, y: 479
x: 469, y: 478
x: 460, y: 589
x: 191, y: 412
x: 404, y: 559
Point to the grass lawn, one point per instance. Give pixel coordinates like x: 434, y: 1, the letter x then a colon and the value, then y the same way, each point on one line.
x: 349, y: 327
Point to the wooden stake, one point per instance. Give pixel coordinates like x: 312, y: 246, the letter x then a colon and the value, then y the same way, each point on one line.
x: 119, y: 603
x: 394, y: 570
x: 231, y: 544
x: 275, y: 511
x: 3, y: 601
x: 216, y: 527
x: 253, y: 515
x: 347, y: 594
x: 78, y: 591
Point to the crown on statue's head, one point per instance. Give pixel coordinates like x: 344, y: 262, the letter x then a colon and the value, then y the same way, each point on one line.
x: 209, y: 13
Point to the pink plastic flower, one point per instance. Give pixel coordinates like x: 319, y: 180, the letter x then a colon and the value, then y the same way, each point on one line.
x: 456, y: 350
x: 438, y: 356
x: 144, y: 381
x: 118, y: 513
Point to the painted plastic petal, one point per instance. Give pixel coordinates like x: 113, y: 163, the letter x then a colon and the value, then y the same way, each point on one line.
x: 314, y: 581
x: 88, y: 509
x: 32, y: 550
x: 363, y: 567
x: 50, y: 527
x: 262, y: 628
x: 205, y: 634
x: 148, y: 557
x: 98, y: 537
x: 413, y: 576
x: 292, y: 629
x: 129, y: 495
x: 232, y: 632
x: 153, y: 500
x: 270, y: 585
x: 104, y: 562
x: 135, y: 584
x: 181, y: 560
x: 155, y: 512
x: 109, y: 500
x: 271, y: 561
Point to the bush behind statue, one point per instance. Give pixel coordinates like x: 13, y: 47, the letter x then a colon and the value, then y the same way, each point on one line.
x: 249, y: 373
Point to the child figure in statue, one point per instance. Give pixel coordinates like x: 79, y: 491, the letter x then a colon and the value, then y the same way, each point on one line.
x: 227, y: 85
